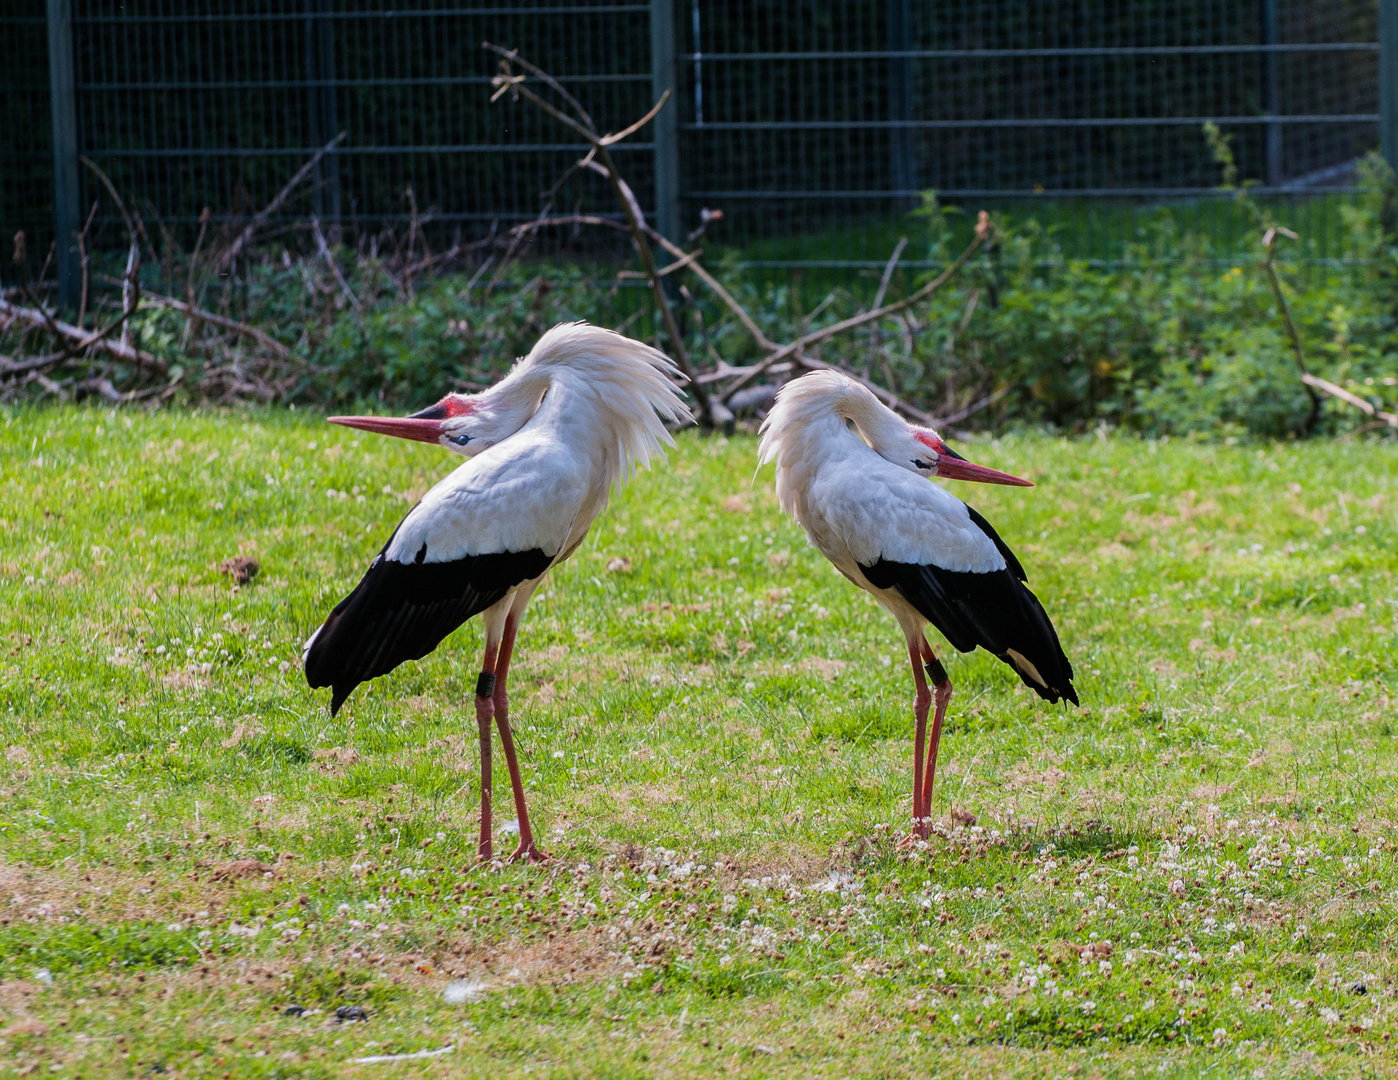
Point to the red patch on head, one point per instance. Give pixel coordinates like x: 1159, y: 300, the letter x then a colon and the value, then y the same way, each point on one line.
x: 931, y: 442
x: 450, y: 406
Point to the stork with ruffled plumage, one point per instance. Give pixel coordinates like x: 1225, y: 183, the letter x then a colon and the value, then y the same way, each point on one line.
x: 547, y: 444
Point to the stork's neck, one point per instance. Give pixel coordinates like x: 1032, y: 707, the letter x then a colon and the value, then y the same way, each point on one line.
x: 824, y: 431
x: 574, y: 411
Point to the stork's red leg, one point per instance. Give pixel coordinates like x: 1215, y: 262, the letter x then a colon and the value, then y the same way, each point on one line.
x: 921, y: 701
x: 485, y: 712
x: 941, y: 695
x: 527, y: 849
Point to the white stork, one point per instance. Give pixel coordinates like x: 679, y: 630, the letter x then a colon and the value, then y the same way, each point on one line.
x: 546, y: 445
x: 919, y: 551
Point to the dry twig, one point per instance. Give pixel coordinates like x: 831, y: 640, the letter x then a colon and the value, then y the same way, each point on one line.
x: 581, y: 122
x: 235, y: 249
x: 1269, y: 244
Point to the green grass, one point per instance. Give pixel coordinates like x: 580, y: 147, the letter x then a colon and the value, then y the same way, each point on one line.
x: 1114, y: 231
x: 717, y: 749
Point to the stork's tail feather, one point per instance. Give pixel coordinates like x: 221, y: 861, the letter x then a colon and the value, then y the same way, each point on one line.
x: 402, y: 611
x: 995, y: 611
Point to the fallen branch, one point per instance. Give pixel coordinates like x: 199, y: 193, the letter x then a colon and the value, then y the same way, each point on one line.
x: 83, y: 341
x: 271, y: 344
x: 1344, y: 395
x: 10, y: 366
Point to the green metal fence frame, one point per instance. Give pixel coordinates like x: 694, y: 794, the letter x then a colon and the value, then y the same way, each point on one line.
x: 667, y: 138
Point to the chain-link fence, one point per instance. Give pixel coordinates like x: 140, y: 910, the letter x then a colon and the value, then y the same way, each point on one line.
x: 814, y: 125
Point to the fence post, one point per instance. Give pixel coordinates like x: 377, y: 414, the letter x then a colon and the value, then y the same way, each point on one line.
x: 666, y: 125
x: 1388, y: 81
x: 63, y: 96
x: 1271, y: 92
x: 320, y: 104
x: 903, y: 163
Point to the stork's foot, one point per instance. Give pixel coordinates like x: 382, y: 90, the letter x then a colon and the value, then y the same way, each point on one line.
x: 530, y: 853
x: 922, y: 829
x: 484, y: 853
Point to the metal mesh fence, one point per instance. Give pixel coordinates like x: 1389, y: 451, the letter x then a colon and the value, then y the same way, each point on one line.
x: 814, y: 124
x: 26, y: 149
x: 798, y: 118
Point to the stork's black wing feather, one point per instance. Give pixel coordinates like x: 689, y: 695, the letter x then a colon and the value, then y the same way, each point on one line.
x: 993, y: 610
x: 402, y: 611
x: 1011, y: 559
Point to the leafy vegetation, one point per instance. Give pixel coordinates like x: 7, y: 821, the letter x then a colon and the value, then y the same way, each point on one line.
x: 1183, y: 336
x: 1191, y: 875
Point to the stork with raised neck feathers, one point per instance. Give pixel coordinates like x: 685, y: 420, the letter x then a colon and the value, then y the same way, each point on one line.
x: 854, y: 475
x: 546, y: 444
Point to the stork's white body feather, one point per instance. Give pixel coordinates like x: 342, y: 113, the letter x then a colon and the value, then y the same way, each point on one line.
x: 546, y: 446
x: 596, y: 404
x: 541, y: 488
x: 856, y: 505
x: 866, y: 502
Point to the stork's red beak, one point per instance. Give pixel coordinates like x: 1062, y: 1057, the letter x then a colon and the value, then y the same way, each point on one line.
x: 401, y: 427
x: 958, y: 468
x: 952, y: 466
x: 422, y: 426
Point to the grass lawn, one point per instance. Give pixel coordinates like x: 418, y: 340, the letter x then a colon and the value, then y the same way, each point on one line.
x: 1193, y: 874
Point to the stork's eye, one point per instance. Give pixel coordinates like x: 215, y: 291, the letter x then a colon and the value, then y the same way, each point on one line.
x: 920, y: 464
x: 461, y: 440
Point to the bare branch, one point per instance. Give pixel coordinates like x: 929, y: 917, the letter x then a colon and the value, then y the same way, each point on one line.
x: 983, y: 229
x: 635, y: 218
x: 1350, y: 399
x: 111, y: 190
x: 83, y: 261
x: 235, y: 249
x: 271, y: 344
x: 329, y: 257
x: 511, y: 56
x: 971, y: 410
x: 1269, y: 242
x: 749, y: 323
x: 10, y: 366
x: 608, y: 140
x: 678, y: 264
x: 83, y: 341
x: 130, y: 289
x: 888, y: 271
x: 892, y: 400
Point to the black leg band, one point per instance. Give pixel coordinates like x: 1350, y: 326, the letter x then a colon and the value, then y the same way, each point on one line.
x: 485, y: 685
x: 935, y: 671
